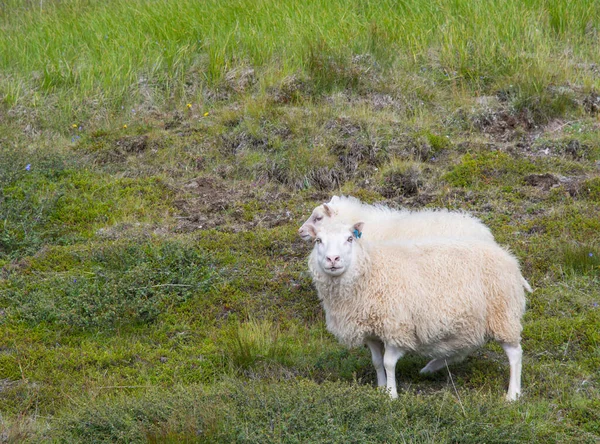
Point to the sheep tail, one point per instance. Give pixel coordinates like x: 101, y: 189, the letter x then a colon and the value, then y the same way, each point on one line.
x: 526, y: 285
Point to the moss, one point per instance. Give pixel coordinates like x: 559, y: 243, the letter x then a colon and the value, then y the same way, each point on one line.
x: 437, y: 142
x: 590, y: 189
x: 119, y: 284
x: 577, y: 222
x: 488, y: 168
x: 584, y: 412
x: 302, y: 410
x: 364, y: 194
x: 40, y: 210
x: 569, y: 337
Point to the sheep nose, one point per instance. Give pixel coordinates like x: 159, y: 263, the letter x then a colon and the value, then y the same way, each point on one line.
x: 333, y: 259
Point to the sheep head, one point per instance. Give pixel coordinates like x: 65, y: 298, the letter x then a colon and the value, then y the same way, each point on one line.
x: 335, y: 246
x: 319, y: 214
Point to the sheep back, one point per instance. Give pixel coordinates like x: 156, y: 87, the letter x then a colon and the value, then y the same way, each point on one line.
x: 383, y: 223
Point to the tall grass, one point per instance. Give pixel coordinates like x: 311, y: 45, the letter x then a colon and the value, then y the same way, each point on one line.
x: 85, y: 55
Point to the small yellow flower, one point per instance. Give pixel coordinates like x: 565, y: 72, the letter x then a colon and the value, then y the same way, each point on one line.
x: 125, y: 126
x: 189, y: 105
x: 74, y: 125
x: 206, y: 114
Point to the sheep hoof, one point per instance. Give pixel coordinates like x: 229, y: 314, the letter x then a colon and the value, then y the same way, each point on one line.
x: 511, y: 397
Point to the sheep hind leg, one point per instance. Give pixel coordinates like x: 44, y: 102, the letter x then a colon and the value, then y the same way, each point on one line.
x: 390, y: 358
x: 437, y: 364
x: 515, y: 359
x: 434, y: 365
x: 376, y: 348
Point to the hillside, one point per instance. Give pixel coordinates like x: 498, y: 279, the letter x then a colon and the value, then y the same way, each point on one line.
x: 156, y: 162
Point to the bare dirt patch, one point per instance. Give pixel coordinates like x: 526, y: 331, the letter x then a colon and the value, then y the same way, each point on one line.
x: 545, y: 181
x: 402, y: 183
x: 502, y: 125
x: 353, y: 146
x: 291, y: 90
x: 132, y: 144
x: 211, y: 203
x: 207, y: 199
x: 591, y: 103
x: 240, y: 79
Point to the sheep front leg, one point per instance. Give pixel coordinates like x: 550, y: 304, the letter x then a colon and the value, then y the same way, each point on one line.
x: 376, y: 348
x: 390, y: 358
x: 515, y: 358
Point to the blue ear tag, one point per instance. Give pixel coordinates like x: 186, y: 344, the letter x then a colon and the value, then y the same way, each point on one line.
x: 357, y: 234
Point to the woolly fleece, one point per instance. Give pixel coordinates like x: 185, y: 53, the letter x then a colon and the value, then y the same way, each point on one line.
x: 437, y: 297
x: 382, y: 223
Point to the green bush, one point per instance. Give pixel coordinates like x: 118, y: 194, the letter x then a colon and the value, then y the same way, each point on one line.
x: 116, y: 284
x: 302, y: 411
x: 590, y: 189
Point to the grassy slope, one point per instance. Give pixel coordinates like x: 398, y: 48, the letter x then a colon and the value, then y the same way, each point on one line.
x: 155, y: 164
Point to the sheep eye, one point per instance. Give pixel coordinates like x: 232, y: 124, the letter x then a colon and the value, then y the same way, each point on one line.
x: 350, y: 239
x: 318, y: 218
x: 317, y: 241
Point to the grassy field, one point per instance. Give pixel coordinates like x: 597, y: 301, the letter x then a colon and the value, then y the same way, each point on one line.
x: 156, y: 162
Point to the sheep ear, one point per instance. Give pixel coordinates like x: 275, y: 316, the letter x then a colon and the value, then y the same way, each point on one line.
x: 311, y: 231
x: 357, y: 229
x: 327, y: 209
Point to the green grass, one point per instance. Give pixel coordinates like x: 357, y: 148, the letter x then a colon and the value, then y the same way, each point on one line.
x: 487, y: 168
x: 152, y: 53
x: 152, y: 284
x: 112, y: 284
x: 38, y: 209
x: 302, y: 411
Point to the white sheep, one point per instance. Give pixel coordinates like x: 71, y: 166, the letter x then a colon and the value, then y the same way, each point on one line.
x: 440, y: 298
x: 383, y: 223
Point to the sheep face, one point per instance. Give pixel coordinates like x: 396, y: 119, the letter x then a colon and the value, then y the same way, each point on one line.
x: 315, y: 220
x: 335, y: 247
